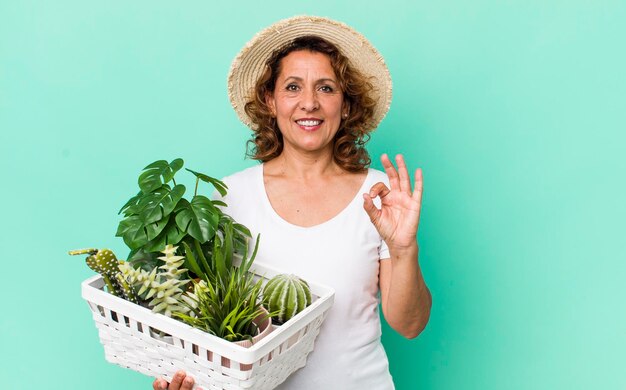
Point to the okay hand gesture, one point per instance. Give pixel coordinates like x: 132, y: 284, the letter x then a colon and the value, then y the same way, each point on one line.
x: 398, y: 218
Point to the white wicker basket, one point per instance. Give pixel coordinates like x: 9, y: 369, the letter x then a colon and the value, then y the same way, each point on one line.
x: 127, y: 334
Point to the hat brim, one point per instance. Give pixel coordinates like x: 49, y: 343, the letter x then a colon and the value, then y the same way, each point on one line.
x: 249, y: 64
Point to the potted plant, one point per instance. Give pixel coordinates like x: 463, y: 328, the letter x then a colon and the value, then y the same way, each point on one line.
x: 189, y: 261
x: 159, y: 215
x: 228, y: 302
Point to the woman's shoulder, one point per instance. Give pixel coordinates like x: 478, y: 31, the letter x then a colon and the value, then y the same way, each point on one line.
x: 243, y: 177
x: 374, y: 176
x: 240, y: 183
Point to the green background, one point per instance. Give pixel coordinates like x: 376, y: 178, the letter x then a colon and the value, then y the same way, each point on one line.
x: 514, y: 109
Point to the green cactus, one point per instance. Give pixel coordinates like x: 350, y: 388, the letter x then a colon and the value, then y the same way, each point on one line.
x: 286, y: 294
x: 104, y: 262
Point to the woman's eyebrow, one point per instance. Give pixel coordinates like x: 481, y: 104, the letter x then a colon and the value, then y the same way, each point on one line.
x: 322, y: 80
x: 325, y: 80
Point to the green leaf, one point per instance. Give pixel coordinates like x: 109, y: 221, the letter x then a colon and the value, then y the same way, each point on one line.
x: 155, y: 228
x: 132, y: 230
x: 129, y: 205
x: 160, y: 203
x: 142, y: 259
x: 199, y: 218
x: 182, y: 204
x: 136, y: 234
x: 220, y: 203
x: 176, y: 165
x: 202, y: 258
x: 218, y: 259
x: 246, y: 263
x: 191, y: 262
x: 228, y: 245
x: 242, y: 229
x: 158, y: 173
x: 170, y: 234
x: 219, y: 185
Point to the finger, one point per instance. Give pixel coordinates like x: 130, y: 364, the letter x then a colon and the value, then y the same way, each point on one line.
x: 177, y: 381
x: 419, y: 185
x: 405, y: 182
x: 159, y: 384
x: 379, y: 189
x: 392, y: 174
x: 187, y: 383
x: 370, y: 208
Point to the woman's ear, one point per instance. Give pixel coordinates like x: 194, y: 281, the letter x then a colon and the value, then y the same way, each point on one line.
x: 271, y: 103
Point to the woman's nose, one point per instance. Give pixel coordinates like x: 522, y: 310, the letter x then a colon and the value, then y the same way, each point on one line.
x: 309, y: 101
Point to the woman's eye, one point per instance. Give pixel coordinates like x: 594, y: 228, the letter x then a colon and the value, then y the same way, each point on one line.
x: 326, y: 88
x: 292, y: 87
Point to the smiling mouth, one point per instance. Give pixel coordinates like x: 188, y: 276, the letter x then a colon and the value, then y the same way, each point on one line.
x: 309, y: 122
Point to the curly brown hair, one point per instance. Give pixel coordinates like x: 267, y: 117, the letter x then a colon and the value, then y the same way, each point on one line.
x: 349, y: 143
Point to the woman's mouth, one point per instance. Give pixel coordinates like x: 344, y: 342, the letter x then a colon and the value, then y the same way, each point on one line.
x: 309, y: 124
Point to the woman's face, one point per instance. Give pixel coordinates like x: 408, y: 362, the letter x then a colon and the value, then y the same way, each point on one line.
x: 307, y: 101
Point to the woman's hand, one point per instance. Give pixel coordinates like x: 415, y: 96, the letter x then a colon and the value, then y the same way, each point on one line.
x: 180, y: 382
x: 398, y: 218
x: 405, y: 298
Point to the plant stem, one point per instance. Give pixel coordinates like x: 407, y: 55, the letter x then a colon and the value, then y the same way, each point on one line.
x: 174, y: 180
x: 195, y: 192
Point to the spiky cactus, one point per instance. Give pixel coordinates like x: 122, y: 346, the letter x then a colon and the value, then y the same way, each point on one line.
x: 286, y: 294
x: 104, y: 262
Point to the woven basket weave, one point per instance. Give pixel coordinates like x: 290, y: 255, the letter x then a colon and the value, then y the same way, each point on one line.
x: 131, y: 336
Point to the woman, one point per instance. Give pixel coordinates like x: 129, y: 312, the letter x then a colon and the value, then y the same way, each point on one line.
x: 314, y: 101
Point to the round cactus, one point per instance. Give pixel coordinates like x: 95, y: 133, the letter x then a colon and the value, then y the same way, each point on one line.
x: 287, y: 295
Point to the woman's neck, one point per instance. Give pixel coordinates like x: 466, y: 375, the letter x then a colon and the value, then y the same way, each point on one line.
x: 304, y: 166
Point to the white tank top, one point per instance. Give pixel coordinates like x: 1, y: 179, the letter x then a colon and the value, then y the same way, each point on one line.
x: 342, y: 253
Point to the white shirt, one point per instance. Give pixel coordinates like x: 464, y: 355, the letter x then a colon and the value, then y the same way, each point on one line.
x: 342, y: 253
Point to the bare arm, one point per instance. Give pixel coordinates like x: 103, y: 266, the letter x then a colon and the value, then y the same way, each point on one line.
x: 406, y: 300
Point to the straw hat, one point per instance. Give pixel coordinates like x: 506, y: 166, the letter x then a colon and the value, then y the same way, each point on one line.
x: 249, y: 64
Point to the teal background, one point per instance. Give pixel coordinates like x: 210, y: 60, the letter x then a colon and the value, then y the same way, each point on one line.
x: 514, y: 109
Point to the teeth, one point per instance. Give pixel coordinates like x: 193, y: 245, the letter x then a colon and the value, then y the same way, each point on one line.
x: 309, y: 123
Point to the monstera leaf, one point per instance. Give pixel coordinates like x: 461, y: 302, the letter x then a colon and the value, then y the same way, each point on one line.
x: 136, y: 233
x: 139, y: 258
x: 171, y: 234
x: 160, y: 202
x: 130, y: 207
x: 159, y: 215
x: 131, y: 229
x: 219, y: 185
x: 199, y: 218
x: 158, y: 173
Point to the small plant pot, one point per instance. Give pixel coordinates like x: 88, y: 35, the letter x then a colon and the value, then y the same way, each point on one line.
x: 264, y: 323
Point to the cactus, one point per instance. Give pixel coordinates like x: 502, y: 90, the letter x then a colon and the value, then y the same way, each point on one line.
x: 286, y: 294
x: 104, y: 262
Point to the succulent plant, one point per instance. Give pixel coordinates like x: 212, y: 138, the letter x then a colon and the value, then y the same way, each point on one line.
x: 286, y: 294
x: 163, y: 287
x: 168, y: 293
x: 104, y: 262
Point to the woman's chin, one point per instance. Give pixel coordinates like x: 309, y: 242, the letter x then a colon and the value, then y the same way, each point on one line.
x: 312, y: 147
